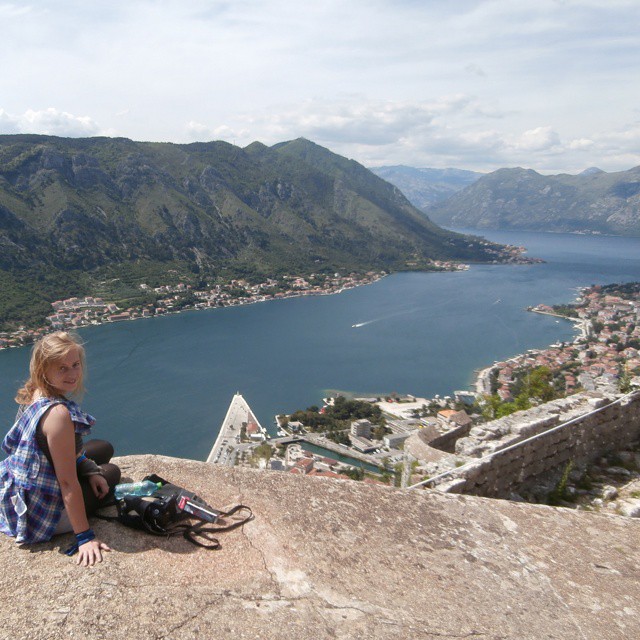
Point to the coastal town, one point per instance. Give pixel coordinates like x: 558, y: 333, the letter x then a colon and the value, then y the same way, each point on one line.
x: 77, y: 312
x: 604, y: 357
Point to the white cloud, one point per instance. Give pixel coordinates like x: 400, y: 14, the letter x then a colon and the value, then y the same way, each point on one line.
x: 581, y: 143
x: 8, y: 124
x: 478, y: 84
x: 60, y: 123
x: 49, y: 122
x: 350, y: 120
x: 11, y: 10
x: 196, y: 131
x: 538, y: 139
x: 476, y: 69
x: 456, y: 131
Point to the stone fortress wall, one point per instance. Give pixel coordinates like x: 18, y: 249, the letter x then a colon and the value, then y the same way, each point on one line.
x: 516, y: 452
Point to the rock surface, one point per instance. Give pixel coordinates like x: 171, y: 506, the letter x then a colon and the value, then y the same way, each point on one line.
x: 335, y: 559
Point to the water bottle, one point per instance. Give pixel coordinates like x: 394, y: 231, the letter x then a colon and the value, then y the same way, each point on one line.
x: 144, y: 488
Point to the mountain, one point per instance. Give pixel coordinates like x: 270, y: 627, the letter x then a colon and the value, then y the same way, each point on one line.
x: 590, y: 171
x: 590, y: 202
x: 74, y: 212
x: 426, y: 187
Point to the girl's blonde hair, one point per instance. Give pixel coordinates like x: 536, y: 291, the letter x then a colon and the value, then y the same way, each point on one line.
x: 46, y: 351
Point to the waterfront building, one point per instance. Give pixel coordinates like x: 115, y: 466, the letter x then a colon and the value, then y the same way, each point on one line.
x: 361, y: 428
x: 362, y: 444
x: 253, y: 431
x: 303, y: 466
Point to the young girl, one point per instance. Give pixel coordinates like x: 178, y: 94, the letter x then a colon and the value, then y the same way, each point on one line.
x: 50, y: 482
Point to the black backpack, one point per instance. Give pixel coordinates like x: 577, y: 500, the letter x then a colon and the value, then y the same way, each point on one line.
x: 166, y: 512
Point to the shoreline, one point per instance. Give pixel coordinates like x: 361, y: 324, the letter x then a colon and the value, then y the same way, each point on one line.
x: 238, y: 302
x: 604, y: 354
x: 482, y: 383
x: 579, y: 323
x: 23, y: 336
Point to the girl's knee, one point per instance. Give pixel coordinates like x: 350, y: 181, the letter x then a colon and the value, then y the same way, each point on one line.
x: 100, y: 451
x: 111, y: 473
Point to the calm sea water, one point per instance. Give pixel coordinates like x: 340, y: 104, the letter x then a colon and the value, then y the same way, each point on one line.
x: 163, y: 385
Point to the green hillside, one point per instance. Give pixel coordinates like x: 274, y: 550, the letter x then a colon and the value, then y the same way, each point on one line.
x: 75, y: 213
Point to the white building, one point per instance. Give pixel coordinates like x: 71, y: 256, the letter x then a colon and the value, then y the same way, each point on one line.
x: 361, y: 428
x: 392, y: 440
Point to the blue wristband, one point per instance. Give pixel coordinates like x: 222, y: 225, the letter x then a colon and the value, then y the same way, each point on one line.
x: 85, y: 536
x: 80, y: 458
x: 81, y: 538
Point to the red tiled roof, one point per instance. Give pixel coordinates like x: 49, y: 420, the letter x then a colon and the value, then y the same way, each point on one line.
x: 328, y: 474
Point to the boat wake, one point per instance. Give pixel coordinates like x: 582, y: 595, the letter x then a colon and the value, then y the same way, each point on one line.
x: 424, y: 309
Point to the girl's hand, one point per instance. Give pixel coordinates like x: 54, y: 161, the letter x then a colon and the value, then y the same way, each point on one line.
x: 91, y: 552
x: 99, y: 486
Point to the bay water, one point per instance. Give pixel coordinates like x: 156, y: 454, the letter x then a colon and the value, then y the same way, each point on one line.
x: 162, y: 385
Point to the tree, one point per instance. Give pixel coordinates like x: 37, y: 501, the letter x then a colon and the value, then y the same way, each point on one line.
x: 625, y: 380
x: 378, y: 432
x: 540, y: 384
x: 505, y: 409
x: 355, y: 473
x: 490, y: 406
x: 522, y: 402
x: 339, y: 437
x: 261, y: 452
x: 398, y: 468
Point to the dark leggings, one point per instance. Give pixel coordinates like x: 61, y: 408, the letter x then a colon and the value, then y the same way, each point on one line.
x: 100, y: 451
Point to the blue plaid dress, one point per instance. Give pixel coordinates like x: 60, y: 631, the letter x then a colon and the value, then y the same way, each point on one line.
x: 30, y: 499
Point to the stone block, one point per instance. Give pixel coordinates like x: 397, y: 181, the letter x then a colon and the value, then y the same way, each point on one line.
x: 452, y: 486
x: 629, y: 507
x: 538, y: 468
x: 564, y: 456
x: 472, y: 473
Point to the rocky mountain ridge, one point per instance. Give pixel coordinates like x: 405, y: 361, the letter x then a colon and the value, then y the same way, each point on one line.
x: 112, y: 207
x: 89, y: 201
x: 426, y: 187
x: 591, y: 202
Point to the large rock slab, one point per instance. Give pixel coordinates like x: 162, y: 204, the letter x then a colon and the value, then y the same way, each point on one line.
x: 335, y: 559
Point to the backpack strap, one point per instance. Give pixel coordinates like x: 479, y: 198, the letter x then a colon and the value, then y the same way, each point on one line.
x: 190, y: 531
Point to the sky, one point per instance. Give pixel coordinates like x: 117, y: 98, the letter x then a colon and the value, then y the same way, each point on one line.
x: 552, y: 85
